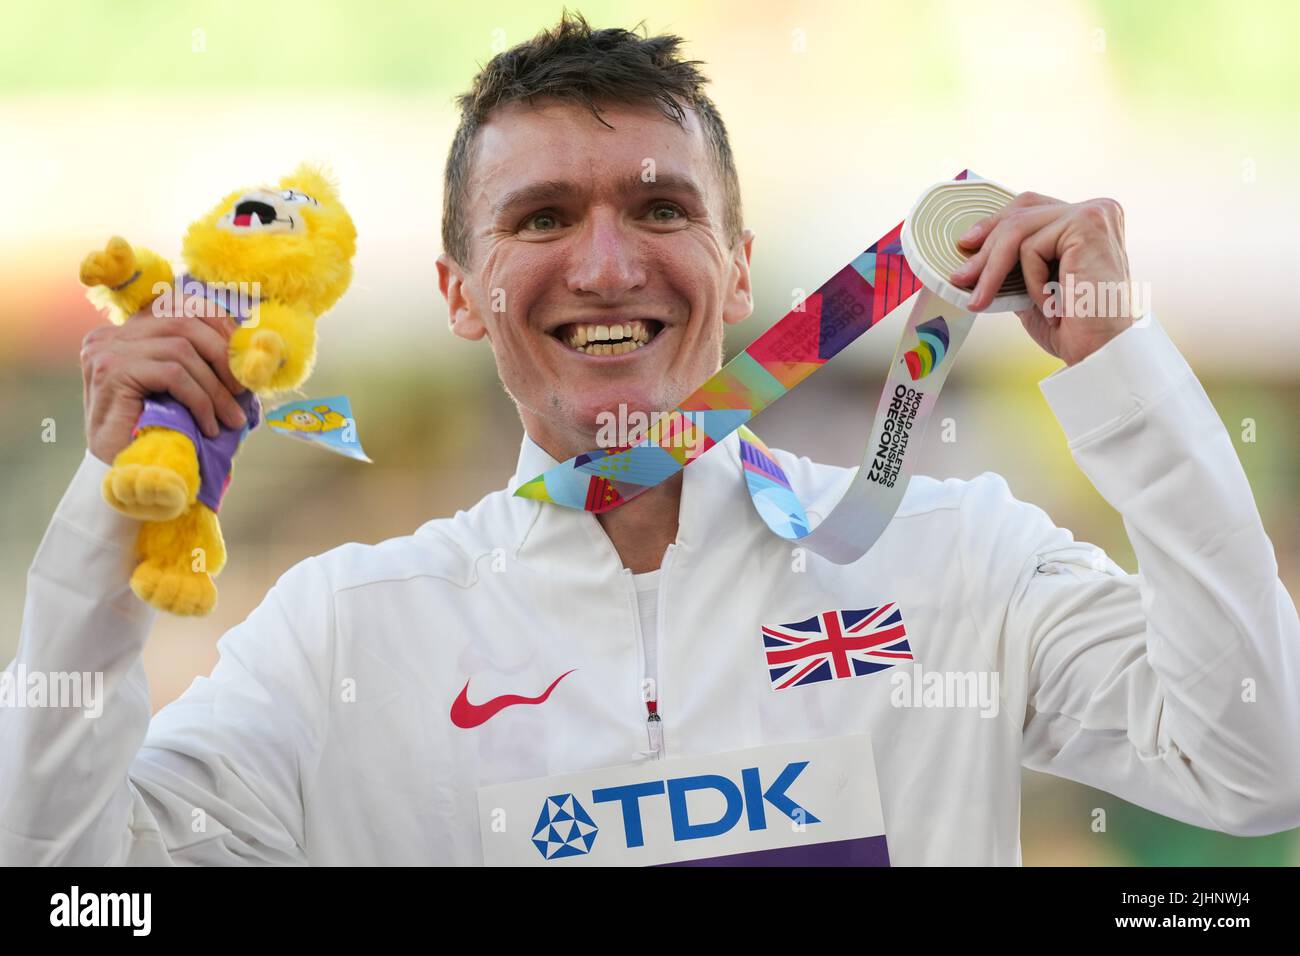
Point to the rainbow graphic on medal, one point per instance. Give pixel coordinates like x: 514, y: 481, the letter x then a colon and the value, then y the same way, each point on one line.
x: 931, y: 348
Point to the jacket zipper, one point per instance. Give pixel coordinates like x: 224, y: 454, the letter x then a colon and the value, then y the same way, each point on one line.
x: 654, y: 728
x: 654, y: 724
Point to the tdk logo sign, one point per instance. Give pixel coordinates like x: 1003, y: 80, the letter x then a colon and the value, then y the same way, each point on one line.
x: 746, y: 797
x: 742, y: 807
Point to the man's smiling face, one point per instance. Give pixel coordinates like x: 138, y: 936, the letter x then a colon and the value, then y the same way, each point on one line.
x: 601, y: 272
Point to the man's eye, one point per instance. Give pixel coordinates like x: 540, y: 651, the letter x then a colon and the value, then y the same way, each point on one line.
x: 671, y: 207
x: 541, y: 217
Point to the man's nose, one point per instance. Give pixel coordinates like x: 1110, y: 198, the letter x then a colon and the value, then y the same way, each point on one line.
x: 607, y: 258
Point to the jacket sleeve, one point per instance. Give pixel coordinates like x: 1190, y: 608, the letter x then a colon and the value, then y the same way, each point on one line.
x: 216, y: 776
x: 1178, y: 687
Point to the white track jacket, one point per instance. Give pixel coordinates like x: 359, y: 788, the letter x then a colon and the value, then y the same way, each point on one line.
x: 324, y: 734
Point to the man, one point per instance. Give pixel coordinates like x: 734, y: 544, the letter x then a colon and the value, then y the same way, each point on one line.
x: 359, y: 710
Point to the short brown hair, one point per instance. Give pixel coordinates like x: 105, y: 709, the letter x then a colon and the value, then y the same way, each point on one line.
x: 573, y: 61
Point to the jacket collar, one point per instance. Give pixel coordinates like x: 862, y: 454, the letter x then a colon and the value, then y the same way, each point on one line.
x: 713, y: 496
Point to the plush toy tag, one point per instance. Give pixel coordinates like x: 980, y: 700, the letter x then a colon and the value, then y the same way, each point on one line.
x: 327, y: 422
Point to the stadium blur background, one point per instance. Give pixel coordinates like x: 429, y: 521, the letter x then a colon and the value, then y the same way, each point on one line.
x: 133, y: 118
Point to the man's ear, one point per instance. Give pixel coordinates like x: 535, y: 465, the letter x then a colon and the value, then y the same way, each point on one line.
x: 740, y: 298
x: 463, y: 315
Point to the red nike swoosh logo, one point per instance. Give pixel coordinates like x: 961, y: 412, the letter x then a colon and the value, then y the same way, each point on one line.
x: 466, y: 715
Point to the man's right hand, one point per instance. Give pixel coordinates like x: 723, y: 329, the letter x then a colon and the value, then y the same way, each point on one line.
x: 185, y: 356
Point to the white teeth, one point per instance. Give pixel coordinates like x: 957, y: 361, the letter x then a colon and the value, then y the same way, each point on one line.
x: 617, y: 339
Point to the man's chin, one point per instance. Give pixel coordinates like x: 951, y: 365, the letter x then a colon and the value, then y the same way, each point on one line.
x: 621, y: 417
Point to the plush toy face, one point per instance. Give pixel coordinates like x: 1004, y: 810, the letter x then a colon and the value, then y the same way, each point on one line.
x: 295, y: 240
x: 263, y: 211
x: 304, y: 421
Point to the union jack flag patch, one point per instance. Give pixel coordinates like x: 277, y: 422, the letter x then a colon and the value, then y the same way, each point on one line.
x: 835, y: 645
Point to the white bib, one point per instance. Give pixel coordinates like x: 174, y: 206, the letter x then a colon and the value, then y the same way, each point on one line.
x: 801, y: 804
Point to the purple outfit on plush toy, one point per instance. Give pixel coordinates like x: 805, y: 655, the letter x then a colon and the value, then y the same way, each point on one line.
x: 215, y: 454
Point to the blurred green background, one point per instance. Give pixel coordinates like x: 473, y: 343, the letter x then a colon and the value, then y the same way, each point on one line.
x: 131, y: 117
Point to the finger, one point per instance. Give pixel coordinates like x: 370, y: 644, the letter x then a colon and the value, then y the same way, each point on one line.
x: 1037, y: 270
x: 973, y: 237
x: 192, y: 306
x: 182, y: 350
x: 153, y: 375
x: 1003, y: 254
x: 1027, y: 199
x: 211, y: 338
x: 966, y: 274
x: 221, y: 323
x: 210, y: 311
x: 1000, y: 252
x: 208, y: 336
x: 211, y: 314
x: 1038, y: 253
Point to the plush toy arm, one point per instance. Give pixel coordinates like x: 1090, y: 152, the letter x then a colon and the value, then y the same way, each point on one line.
x: 275, y: 350
x: 123, y: 280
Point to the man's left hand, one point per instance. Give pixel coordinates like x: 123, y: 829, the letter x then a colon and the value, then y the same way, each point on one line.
x: 1051, y: 239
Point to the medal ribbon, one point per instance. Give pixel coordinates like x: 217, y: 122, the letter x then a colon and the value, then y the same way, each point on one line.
x: 850, y: 303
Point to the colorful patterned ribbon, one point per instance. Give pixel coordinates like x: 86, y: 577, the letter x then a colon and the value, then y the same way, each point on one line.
x: 850, y: 303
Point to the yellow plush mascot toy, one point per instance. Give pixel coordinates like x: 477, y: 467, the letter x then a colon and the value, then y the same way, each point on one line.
x: 274, y: 260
